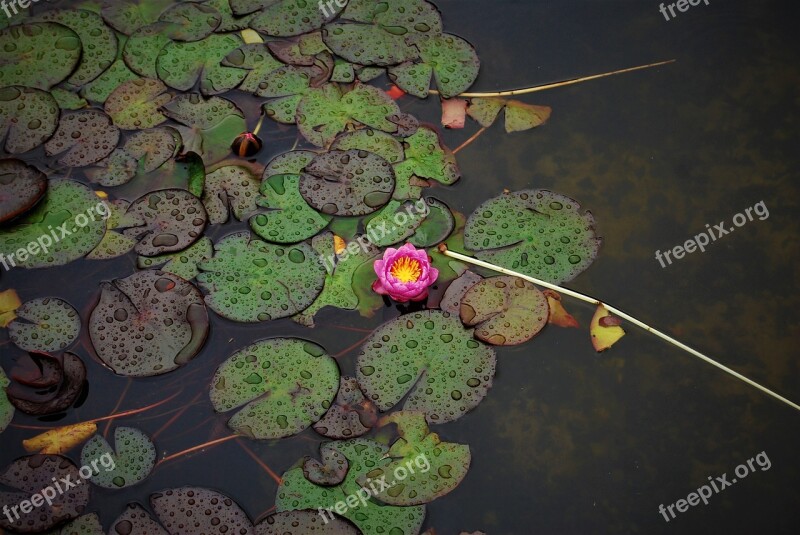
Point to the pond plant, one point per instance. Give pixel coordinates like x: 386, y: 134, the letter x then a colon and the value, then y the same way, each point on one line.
x: 99, y: 96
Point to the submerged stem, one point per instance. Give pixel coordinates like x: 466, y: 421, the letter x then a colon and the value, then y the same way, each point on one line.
x: 443, y: 249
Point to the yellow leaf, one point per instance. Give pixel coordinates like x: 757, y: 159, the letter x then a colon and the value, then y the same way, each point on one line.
x: 339, y: 244
x: 558, y: 315
x: 605, y: 329
x: 251, y: 36
x: 61, y: 439
x: 9, y: 302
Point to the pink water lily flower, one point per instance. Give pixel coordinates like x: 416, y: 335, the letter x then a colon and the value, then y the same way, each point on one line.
x: 404, y: 274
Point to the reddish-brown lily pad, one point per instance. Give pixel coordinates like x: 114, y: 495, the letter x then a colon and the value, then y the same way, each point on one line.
x: 54, y: 399
x: 136, y: 521
x: 21, y: 187
x: 351, y: 414
x: 86, y: 136
x: 173, y: 220
x: 306, y: 521
x: 28, y: 117
x: 196, y: 511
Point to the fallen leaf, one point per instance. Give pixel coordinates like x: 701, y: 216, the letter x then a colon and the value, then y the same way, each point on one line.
x: 605, y: 330
x: 558, y: 315
x: 454, y: 112
x: 395, y: 92
x: 61, y: 439
x: 9, y: 303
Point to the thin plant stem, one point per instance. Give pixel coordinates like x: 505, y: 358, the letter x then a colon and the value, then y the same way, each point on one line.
x: 119, y: 402
x: 261, y: 463
x: 468, y: 259
x: 198, y: 447
x: 475, y: 136
x: 562, y: 83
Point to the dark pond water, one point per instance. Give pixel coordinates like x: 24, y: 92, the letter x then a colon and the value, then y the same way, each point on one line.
x: 568, y: 440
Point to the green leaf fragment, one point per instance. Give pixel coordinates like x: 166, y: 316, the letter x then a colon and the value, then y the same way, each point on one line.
x: 6, y: 408
x: 285, y: 18
x: 190, y: 21
x: 132, y: 462
x: 396, y: 222
x: 45, y: 325
x: 371, y: 140
x: 67, y: 100
x: 425, y: 158
x: 142, y: 49
x: 136, y: 104
x: 437, y: 226
x: 183, y: 264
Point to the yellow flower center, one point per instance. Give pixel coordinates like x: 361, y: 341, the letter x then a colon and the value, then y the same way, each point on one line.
x: 406, y: 269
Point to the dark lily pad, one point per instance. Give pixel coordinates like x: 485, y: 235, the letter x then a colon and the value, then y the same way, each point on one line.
x: 54, y: 400
x: 98, y: 42
x: 65, y: 205
x: 135, y: 105
x: 249, y: 280
x: 347, y: 183
x: 21, y: 187
x: 400, y: 17
x: 351, y: 414
x: 325, y: 112
x: 231, y: 188
x: 47, y: 324
x: 433, y: 467
x: 143, y: 47
x: 68, y: 100
x: 134, y: 457
x: 285, y: 18
x: 363, y: 455
x: 147, y: 324
x: 28, y: 118
x: 328, y: 472
x: 29, y: 475
x: 84, y: 525
x: 181, y: 65
x: 278, y: 387
x: 114, y: 243
x: 230, y: 21
x: 86, y: 136
x: 451, y: 302
x: 371, y: 140
x: 128, y: 16
x: 437, y: 226
x: 198, y: 511
x: 305, y: 522
x: 38, y: 55
x: 143, y: 152
x: 431, y: 355
x: 173, y: 219
x: 289, y: 218
x: 136, y: 521
x: 6, y: 408
x: 425, y: 158
x: 535, y: 232
x: 191, y: 21
x: 452, y: 61
x: 183, y: 264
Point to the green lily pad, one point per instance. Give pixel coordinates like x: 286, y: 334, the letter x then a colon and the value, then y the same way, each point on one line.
x: 143, y: 152
x: 206, y: 511
x: 323, y: 113
x: 363, y: 455
x: 351, y: 414
x: 285, y: 18
x: 504, y: 310
x: 289, y: 163
x: 183, y: 264
x: 136, y: 521
x: 171, y: 220
x: 535, y: 232
x: 432, y: 356
x: 347, y: 183
x: 148, y: 324
x: 230, y: 21
x: 343, y: 72
x: 86, y: 136
x: 249, y: 280
x: 432, y: 468
x: 128, y: 16
x: 6, y: 408
x: 289, y: 218
x: 231, y: 188
x: 142, y: 49
x: 38, y: 55
x: 425, y: 158
x: 452, y: 61
x: 67, y: 100
x: 437, y: 226
x: 191, y: 21
x: 257, y: 60
x: 289, y: 80
x: 371, y: 140
x: 340, y: 278
x: 181, y: 65
x: 279, y: 387
x: 28, y: 118
x: 84, y: 525
x: 400, y: 17
x: 367, y: 44
x: 115, y: 243
x: 45, y: 325
x: 66, y: 205
x: 519, y: 115
x: 21, y: 187
x: 305, y: 522
x: 98, y: 42
x: 211, y: 124
x: 134, y: 457
x: 395, y: 222
x: 283, y: 109
x: 135, y: 105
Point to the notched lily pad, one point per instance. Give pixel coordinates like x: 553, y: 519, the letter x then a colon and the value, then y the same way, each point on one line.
x: 21, y: 187
x: 351, y: 414
x: 148, y: 324
x: 328, y: 472
x: 28, y: 118
x: 38, y: 55
x: 86, y: 136
x: 143, y: 152
x: 230, y: 189
x: 47, y: 324
x: 451, y: 302
x: 64, y: 379
x: 371, y: 140
x: 143, y: 47
x: 452, y: 61
x: 519, y: 115
x: 425, y: 158
x: 173, y: 219
x: 130, y: 461
x: 183, y: 264
x: 206, y: 511
x: 278, y: 387
x: 289, y: 218
x: 135, y: 104
x: 181, y: 65
x: 437, y: 226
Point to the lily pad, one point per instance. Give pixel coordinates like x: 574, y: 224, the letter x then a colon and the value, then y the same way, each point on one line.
x: 328, y: 472
x: 437, y: 226
x: 98, y: 42
x: 230, y: 21
x: 115, y: 243
x: 289, y: 163
x: 451, y: 302
x: 535, y: 232
x: 400, y: 17
x: 249, y: 280
x: 57, y: 217
x: 194, y: 510
x: 148, y: 324
x: 289, y: 218
x: 29, y: 475
x: 183, y: 264
x: 133, y: 460
x: 173, y: 219
x: 347, y: 183
x: 396, y: 222
x: 28, y: 118
x: 425, y: 158
x: 257, y: 60
x: 135, y: 104
x: 351, y: 414
x: 136, y: 521
x: 21, y: 187
x: 367, y: 44
x: 431, y: 357
x: 305, y: 522
x: 181, y: 65
x: 231, y: 188
x: 371, y: 140
x: 143, y: 152
x: 452, y: 61
x: 68, y: 100
x: 191, y: 21
x: 128, y: 16
x: 143, y: 48
x: 363, y: 455
x: 285, y: 18
x: 6, y: 408
x: 45, y: 325
x: 212, y: 124
x: 323, y: 113
x: 86, y: 136
x: 38, y: 55
x: 70, y: 384
x: 519, y: 115
x: 505, y: 310
x: 84, y: 525
x: 278, y: 387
